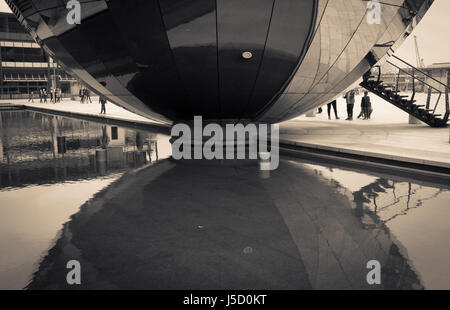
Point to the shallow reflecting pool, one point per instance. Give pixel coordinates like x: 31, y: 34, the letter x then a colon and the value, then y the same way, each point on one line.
x: 50, y: 166
x: 205, y: 224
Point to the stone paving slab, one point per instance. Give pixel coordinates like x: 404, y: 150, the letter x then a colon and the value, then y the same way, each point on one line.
x: 401, y: 142
x: 92, y: 109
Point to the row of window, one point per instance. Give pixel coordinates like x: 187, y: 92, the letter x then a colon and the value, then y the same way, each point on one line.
x: 10, y: 64
x: 21, y: 54
x: 20, y: 44
x: 34, y: 77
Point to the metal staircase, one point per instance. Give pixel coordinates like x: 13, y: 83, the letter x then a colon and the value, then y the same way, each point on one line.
x: 391, y: 93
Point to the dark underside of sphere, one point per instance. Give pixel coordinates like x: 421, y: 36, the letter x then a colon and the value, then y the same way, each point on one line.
x: 183, y: 58
x: 259, y: 60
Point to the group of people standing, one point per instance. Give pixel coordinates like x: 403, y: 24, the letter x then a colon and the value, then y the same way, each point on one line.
x: 55, y: 95
x: 85, y: 95
x: 366, y: 106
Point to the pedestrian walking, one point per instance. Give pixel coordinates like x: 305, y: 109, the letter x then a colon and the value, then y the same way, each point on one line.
x: 59, y: 95
x: 102, y: 101
x: 44, y: 94
x: 330, y: 105
x: 87, y: 95
x: 81, y: 94
x: 31, y: 96
x: 363, y: 108
x: 350, y: 99
x: 365, y: 101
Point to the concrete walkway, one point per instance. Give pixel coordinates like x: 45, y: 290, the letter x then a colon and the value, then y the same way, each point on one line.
x: 400, y: 142
x: 91, y: 109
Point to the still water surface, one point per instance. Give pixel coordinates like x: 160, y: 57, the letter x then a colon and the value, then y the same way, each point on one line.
x: 202, y: 224
x: 50, y: 166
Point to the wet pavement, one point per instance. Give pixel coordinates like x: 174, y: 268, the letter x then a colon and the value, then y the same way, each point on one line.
x: 215, y: 224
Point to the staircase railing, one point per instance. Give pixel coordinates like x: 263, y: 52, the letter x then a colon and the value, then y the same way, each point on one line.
x: 419, y: 77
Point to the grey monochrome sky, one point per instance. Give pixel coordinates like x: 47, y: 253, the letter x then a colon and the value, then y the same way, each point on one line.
x: 432, y: 35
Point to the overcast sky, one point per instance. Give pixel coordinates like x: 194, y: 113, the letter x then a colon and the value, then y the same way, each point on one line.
x: 4, y: 7
x: 432, y: 35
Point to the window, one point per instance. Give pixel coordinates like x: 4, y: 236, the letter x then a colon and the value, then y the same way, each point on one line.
x: 114, y: 133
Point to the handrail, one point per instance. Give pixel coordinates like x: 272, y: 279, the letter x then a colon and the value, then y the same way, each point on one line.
x: 398, y: 79
x: 414, y: 90
x: 414, y: 77
x: 447, y: 108
x: 423, y: 79
x: 439, y: 82
x: 437, y: 102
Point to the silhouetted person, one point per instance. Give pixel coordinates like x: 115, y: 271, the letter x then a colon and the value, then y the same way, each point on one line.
x: 366, y: 105
x: 350, y: 99
x: 105, y: 139
x: 81, y: 94
x: 329, y: 105
x: 363, y: 107
x: 59, y: 94
x: 103, y: 103
x: 44, y: 94
x: 31, y: 96
x: 87, y: 95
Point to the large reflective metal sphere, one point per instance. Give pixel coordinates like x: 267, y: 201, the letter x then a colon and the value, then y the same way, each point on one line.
x: 259, y: 60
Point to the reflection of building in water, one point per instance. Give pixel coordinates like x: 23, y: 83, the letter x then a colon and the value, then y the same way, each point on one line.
x: 41, y: 148
x: 120, y: 144
x: 387, y: 199
x: 293, y: 230
x: 380, y: 200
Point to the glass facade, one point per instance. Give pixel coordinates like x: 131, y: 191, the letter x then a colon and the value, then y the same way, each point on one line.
x: 24, y: 66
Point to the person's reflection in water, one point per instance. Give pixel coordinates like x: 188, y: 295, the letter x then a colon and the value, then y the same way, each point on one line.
x: 101, y: 155
x: 140, y: 141
x: 105, y: 138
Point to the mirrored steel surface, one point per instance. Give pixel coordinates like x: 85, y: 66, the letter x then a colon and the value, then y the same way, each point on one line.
x: 172, y: 60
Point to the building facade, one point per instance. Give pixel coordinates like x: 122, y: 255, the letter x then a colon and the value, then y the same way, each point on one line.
x: 24, y: 66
